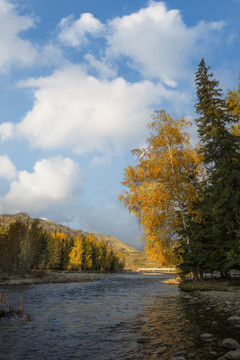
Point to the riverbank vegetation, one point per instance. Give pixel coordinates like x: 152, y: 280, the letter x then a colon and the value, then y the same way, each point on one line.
x: 210, y: 285
x: 25, y: 246
x: 188, y: 199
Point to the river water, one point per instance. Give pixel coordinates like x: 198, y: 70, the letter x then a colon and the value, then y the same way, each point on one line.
x: 118, y: 317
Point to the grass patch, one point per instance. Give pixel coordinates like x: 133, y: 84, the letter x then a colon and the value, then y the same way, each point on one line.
x: 210, y: 285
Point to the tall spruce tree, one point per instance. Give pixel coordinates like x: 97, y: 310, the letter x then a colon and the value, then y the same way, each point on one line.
x: 221, y: 195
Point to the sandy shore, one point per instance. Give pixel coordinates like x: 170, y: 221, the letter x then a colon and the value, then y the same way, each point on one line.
x: 52, y: 277
x: 173, y: 281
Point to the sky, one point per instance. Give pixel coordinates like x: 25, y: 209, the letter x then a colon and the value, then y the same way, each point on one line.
x: 79, y: 81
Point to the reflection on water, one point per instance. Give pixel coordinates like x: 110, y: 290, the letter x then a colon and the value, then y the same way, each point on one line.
x: 122, y: 317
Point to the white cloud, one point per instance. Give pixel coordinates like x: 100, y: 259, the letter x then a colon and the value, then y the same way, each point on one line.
x: 13, y: 49
x: 74, y: 32
x: 157, y: 41
x: 82, y: 113
x: 7, y: 168
x: 103, y: 69
x: 53, y: 182
x: 51, y: 55
x: 6, y: 131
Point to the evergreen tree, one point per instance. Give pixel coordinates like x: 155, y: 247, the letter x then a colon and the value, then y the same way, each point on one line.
x: 220, y: 149
x: 54, y: 252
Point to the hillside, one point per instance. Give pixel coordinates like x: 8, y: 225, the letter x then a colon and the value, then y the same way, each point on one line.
x: 133, y: 257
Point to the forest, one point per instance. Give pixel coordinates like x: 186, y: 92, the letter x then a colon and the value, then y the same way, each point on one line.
x: 187, y: 197
x: 25, y: 246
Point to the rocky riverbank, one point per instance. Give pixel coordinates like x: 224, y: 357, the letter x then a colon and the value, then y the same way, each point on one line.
x: 227, y: 304
x: 231, y: 284
x: 50, y: 277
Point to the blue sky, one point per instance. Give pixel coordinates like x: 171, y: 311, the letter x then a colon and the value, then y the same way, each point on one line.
x: 79, y: 83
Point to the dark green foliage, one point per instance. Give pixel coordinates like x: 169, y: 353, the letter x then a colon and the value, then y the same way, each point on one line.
x: 213, y: 243
x: 11, y: 240
x: 40, y: 254
x: 213, y: 124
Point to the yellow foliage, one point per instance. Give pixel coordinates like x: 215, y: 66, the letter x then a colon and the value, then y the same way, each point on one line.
x: 233, y: 104
x: 76, y: 254
x: 60, y: 236
x: 161, y: 186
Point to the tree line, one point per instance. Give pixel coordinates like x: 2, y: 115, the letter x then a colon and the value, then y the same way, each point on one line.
x: 25, y: 246
x: 188, y: 198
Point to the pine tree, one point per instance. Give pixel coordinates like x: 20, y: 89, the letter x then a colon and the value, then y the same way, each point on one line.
x: 220, y: 149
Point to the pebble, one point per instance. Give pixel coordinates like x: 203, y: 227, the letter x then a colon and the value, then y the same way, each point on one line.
x: 161, y: 350
x: 180, y: 353
x: 191, y: 356
x: 232, y: 355
x: 234, y: 318
x: 143, y: 340
x: 206, y: 336
x: 230, y: 343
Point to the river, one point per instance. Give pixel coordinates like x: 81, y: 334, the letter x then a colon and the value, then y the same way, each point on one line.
x: 129, y: 316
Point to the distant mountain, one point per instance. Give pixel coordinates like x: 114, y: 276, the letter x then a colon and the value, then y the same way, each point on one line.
x: 133, y: 258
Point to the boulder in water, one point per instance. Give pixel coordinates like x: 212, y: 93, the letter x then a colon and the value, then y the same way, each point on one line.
x: 232, y: 355
x: 230, y: 344
x: 234, y: 318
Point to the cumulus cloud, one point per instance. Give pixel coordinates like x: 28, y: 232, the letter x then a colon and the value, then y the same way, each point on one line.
x: 7, y: 168
x: 6, y: 131
x: 80, y: 112
x: 13, y: 49
x: 100, y: 66
x: 74, y: 32
x: 53, y: 182
x: 157, y: 41
x: 51, y: 55
x: 86, y: 113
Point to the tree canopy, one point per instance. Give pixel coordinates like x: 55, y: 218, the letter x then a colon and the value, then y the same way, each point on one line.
x: 161, y: 186
x: 25, y: 246
x: 188, y: 200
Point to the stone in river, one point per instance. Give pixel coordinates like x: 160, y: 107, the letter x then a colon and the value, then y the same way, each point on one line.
x: 143, y: 340
x: 232, y: 355
x: 230, y: 344
x: 161, y: 350
x: 206, y: 336
x: 180, y: 353
x: 234, y: 318
x: 191, y: 356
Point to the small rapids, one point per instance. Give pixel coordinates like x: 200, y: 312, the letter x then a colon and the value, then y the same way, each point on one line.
x: 125, y: 316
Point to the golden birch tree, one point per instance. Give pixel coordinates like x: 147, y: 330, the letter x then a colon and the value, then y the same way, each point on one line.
x: 76, y: 255
x: 161, y: 185
x: 233, y: 104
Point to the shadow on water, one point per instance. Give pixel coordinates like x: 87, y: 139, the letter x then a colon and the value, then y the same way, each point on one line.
x: 120, y: 317
x: 171, y: 325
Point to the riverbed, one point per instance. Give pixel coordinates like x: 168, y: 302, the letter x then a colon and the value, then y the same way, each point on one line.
x: 128, y: 316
